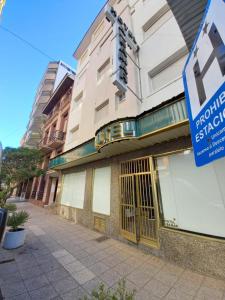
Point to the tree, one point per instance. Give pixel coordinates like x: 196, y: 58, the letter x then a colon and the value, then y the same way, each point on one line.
x: 18, y: 165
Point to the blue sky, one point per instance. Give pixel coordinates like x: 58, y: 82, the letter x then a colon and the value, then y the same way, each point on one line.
x: 54, y: 26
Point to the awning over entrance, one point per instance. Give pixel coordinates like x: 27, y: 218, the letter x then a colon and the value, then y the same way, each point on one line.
x: 163, y: 123
x: 188, y: 15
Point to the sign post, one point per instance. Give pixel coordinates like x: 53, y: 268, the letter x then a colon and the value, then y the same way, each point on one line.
x: 204, y: 84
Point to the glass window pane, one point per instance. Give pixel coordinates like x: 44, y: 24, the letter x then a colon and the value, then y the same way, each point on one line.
x: 193, y: 198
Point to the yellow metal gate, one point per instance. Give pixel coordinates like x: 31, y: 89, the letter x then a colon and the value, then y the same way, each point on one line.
x: 138, y: 201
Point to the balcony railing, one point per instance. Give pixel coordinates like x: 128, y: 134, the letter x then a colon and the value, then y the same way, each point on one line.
x: 44, y: 146
x: 56, y: 139
x: 58, y: 135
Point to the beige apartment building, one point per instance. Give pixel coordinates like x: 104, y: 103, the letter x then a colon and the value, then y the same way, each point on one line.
x: 44, y: 188
x: 127, y: 168
x: 52, y: 76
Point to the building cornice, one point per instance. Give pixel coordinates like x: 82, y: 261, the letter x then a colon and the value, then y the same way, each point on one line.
x: 62, y: 88
x: 87, y: 36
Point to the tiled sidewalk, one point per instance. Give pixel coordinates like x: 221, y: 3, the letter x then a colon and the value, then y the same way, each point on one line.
x: 61, y: 260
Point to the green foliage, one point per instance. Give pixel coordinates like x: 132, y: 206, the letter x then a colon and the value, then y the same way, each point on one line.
x: 3, y: 195
x: 18, y: 165
x: 11, y: 207
x: 120, y: 293
x: 17, y: 219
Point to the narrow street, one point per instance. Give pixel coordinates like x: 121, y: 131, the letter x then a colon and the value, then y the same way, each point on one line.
x: 62, y: 260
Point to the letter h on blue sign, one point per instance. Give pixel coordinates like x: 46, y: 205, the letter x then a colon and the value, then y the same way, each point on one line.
x: 218, y: 53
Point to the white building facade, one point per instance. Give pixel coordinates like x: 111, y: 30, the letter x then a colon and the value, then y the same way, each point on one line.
x: 128, y: 167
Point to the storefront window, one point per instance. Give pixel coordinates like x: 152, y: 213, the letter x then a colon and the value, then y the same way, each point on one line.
x: 101, y: 190
x: 192, y: 198
x: 73, y: 190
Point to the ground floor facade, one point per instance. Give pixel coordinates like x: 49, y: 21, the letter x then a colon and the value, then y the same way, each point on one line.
x: 44, y: 188
x: 137, y: 181
x: 40, y: 190
x: 154, y: 198
x: 64, y: 260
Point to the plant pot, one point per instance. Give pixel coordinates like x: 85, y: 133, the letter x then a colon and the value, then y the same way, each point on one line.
x: 14, y: 239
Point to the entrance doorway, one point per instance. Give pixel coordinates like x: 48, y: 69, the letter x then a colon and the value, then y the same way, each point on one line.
x: 138, y: 202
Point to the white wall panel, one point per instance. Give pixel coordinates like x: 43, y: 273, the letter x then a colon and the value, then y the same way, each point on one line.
x: 193, y: 197
x: 73, y: 189
x: 101, y: 190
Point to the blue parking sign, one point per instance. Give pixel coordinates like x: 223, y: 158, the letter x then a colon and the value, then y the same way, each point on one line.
x: 204, y: 84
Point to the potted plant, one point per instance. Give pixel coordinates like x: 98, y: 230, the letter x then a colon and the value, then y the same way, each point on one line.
x: 15, y: 236
x: 5, y: 208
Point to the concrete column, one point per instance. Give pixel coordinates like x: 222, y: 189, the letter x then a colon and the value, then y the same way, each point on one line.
x: 25, y: 190
x: 33, y: 185
x: 48, y: 181
x: 52, y: 190
x: 58, y: 124
x: 22, y: 190
x: 59, y: 188
x: 38, y: 187
x: 29, y: 189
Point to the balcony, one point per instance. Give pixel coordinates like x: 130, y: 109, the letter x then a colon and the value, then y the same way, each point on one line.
x: 55, y: 140
x: 51, y: 116
x: 44, y: 145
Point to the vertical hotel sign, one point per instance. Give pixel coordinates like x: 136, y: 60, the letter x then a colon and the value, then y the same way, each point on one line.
x: 2, y: 3
x: 123, y: 38
x: 204, y: 83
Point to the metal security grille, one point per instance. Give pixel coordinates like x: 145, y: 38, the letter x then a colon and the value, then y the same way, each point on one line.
x: 139, y: 214
x: 128, y: 218
x: 147, y: 214
x: 141, y: 165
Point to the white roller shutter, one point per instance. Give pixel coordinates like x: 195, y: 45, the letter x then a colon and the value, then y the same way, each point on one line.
x: 73, y: 189
x: 101, y: 190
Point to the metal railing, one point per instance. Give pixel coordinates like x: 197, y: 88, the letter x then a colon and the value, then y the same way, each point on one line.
x: 55, y: 136
x: 58, y: 135
x: 44, y: 141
